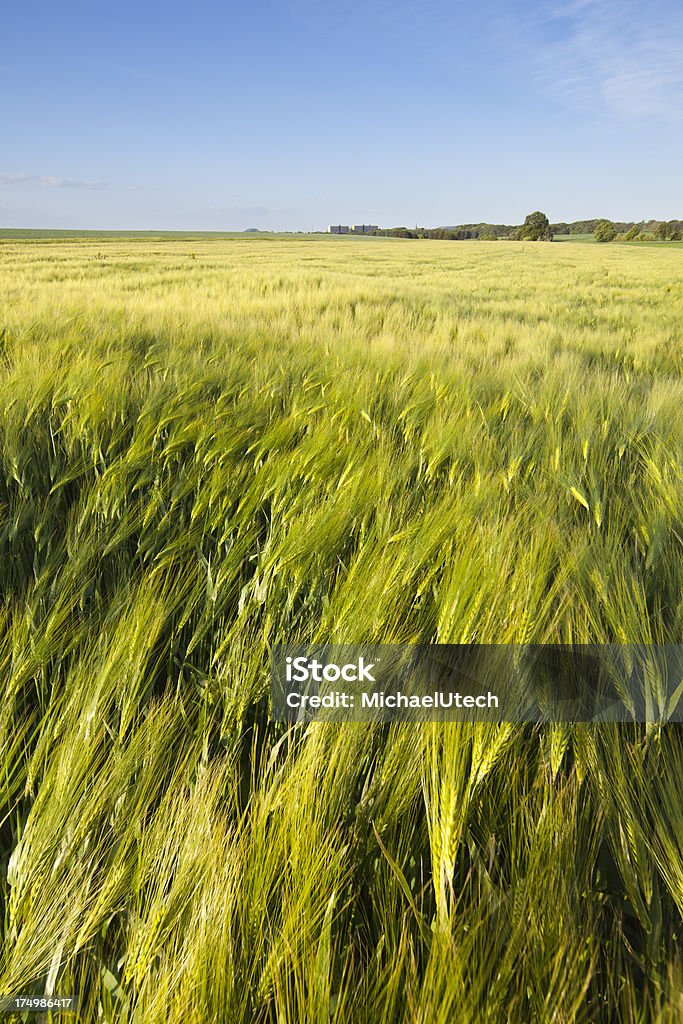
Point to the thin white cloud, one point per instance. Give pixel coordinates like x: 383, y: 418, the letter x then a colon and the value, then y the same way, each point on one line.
x: 617, y: 55
x: 48, y: 181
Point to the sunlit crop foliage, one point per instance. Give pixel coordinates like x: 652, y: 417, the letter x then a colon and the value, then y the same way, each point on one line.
x: 210, y: 446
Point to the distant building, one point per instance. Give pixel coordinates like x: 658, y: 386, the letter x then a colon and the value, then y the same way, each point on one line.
x: 355, y: 229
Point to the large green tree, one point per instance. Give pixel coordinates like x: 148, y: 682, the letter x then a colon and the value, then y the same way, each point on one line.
x: 605, y: 231
x: 536, y: 228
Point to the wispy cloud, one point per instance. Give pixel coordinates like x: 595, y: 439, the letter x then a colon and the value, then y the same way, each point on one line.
x: 619, y: 55
x: 48, y: 181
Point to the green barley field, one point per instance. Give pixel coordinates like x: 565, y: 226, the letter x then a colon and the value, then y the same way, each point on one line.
x: 210, y: 446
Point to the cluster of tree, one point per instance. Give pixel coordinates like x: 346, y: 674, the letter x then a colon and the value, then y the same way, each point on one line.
x: 458, y: 232
x: 663, y: 230
x: 653, y: 231
x: 657, y: 228
x: 586, y: 227
x: 536, y: 227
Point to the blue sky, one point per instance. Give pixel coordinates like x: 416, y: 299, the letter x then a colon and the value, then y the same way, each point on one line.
x: 299, y: 113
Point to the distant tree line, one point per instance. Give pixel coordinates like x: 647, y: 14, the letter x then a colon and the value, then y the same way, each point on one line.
x: 661, y: 230
x: 536, y: 227
x: 459, y: 233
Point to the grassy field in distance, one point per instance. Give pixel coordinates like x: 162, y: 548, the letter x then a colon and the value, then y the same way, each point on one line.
x: 574, y: 238
x: 213, y: 445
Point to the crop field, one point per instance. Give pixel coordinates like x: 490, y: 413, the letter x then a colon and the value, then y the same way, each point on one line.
x: 212, y: 446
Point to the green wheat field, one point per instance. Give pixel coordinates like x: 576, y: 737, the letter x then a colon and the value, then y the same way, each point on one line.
x: 212, y: 446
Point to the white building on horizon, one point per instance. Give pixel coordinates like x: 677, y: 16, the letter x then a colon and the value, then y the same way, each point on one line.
x: 355, y: 229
